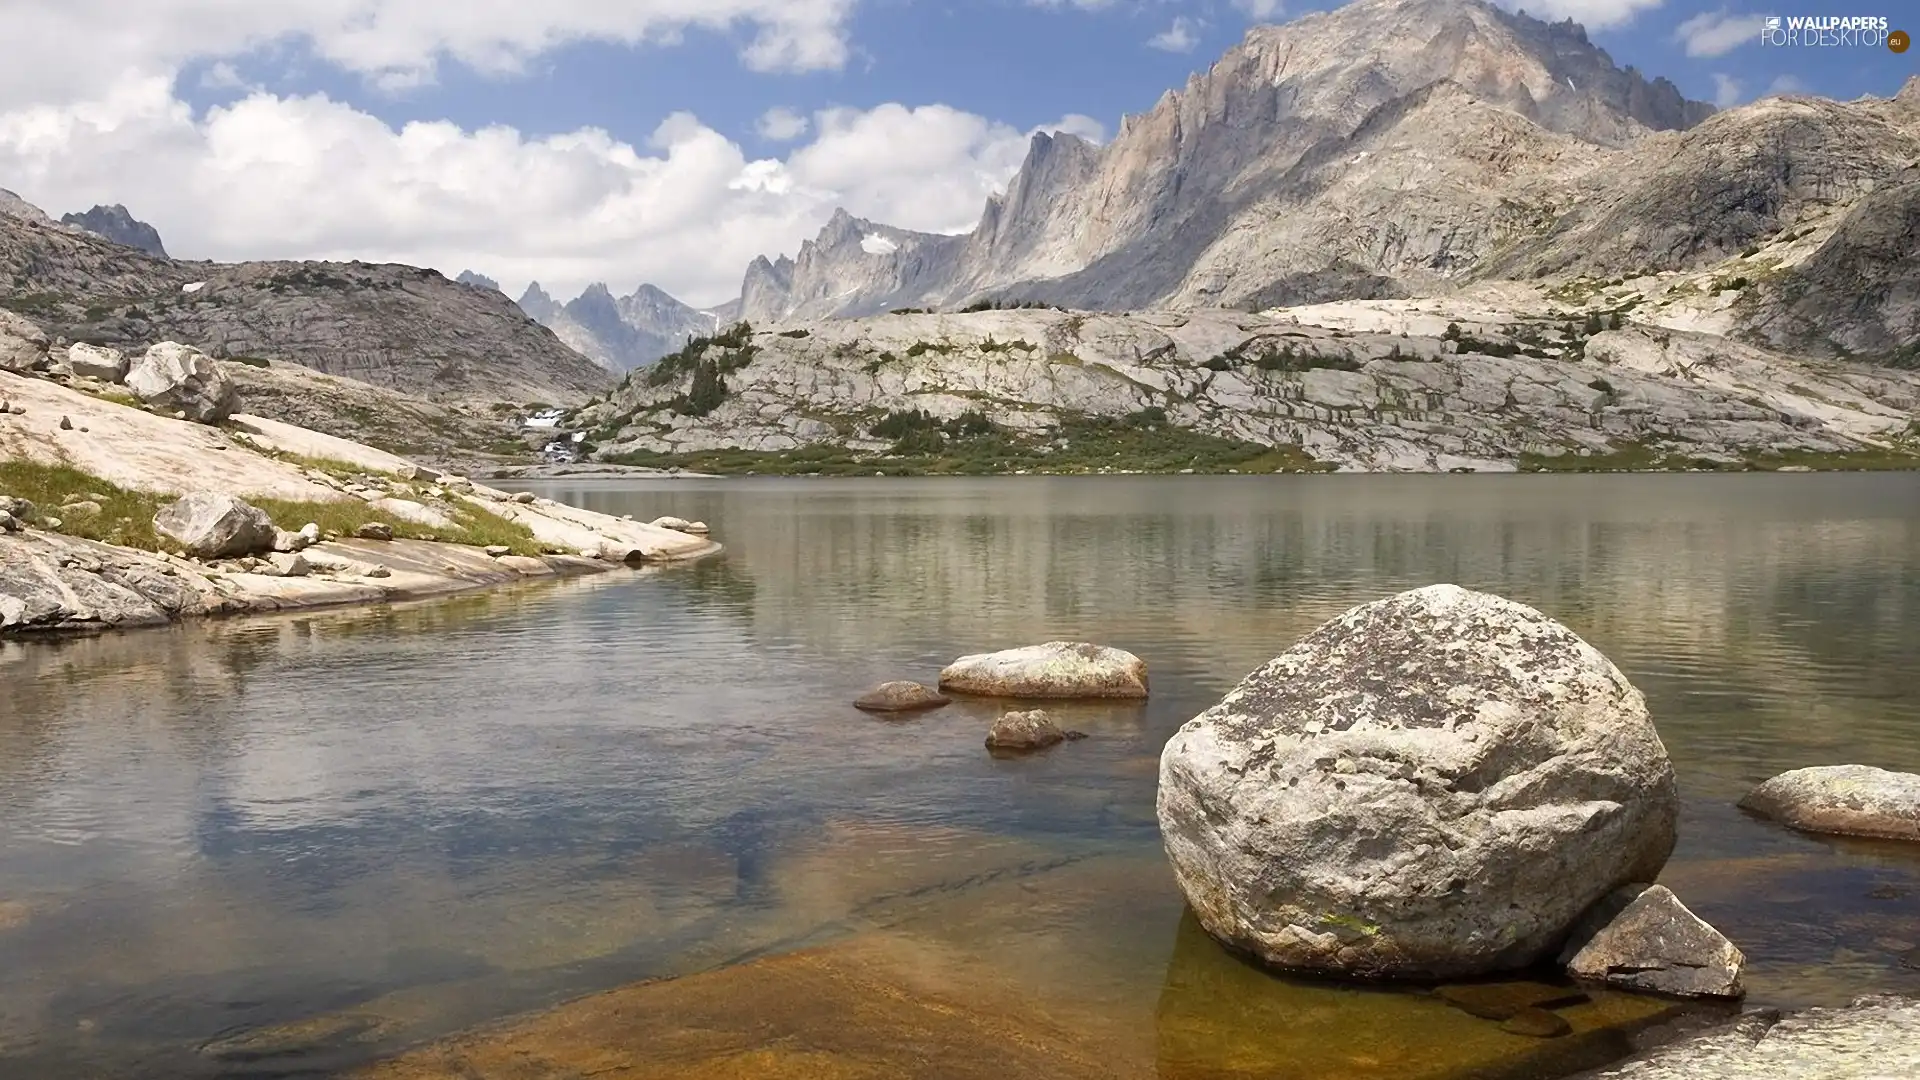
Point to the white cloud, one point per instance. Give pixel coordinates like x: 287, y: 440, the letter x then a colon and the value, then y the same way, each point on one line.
x: 309, y: 177
x: 1260, y: 10
x: 1788, y: 84
x: 1717, y: 33
x: 78, y: 43
x: 1181, y: 37
x: 781, y: 124
x: 1592, y: 14
x: 1726, y: 91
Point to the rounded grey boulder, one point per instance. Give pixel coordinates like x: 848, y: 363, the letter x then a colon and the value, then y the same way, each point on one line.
x: 1842, y: 800
x: 212, y: 525
x: 1435, y: 785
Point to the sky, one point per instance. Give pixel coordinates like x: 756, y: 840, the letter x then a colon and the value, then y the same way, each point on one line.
x: 662, y: 141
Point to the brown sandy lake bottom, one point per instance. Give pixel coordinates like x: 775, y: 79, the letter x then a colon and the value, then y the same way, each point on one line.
x: 630, y: 827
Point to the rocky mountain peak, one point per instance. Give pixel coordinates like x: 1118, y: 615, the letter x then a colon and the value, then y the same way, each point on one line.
x: 477, y: 280
x: 537, y: 303
x: 1122, y: 225
x: 14, y: 206
x: 117, y: 223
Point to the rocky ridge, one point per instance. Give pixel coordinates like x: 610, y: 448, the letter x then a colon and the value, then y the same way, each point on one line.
x: 401, y: 327
x: 1590, y: 374
x: 117, y: 223
x: 619, y: 333
x: 1397, y: 148
x: 171, y: 477
x: 1285, y: 122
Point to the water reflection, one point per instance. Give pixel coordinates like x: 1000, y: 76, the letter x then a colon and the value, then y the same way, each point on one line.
x: 296, y: 843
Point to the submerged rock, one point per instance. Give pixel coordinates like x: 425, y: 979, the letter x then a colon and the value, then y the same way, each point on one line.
x: 900, y: 696
x: 1844, y: 800
x: 1538, y: 1023
x: 180, y: 377
x: 1020, y: 732
x: 1435, y: 785
x: 1872, y: 1039
x: 1501, y: 1000
x: 212, y: 525
x: 1643, y: 938
x: 1057, y: 669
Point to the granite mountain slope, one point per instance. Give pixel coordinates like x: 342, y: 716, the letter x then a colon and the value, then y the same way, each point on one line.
x: 1261, y: 140
x: 400, y: 327
x: 1583, y: 374
x: 1397, y: 148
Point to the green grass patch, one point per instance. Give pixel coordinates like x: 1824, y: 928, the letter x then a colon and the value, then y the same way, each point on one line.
x: 1635, y: 457
x: 125, y: 517
x: 971, y: 445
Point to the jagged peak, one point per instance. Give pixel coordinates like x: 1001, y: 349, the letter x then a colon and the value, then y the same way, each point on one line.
x: 596, y: 291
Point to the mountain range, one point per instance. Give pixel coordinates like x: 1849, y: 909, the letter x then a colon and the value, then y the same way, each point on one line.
x: 1387, y: 148
x: 100, y: 277
x: 1402, y: 234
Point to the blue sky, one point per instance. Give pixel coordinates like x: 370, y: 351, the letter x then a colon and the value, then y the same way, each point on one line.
x: 1018, y: 62
x: 571, y: 141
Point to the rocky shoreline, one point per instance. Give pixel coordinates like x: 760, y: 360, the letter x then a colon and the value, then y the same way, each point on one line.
x: 134, y: 492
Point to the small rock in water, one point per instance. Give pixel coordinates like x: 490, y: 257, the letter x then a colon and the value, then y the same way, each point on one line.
x: 1057, y: 669
x: 1643, y: 938
x: 374, y: 530
x: 1843, y: 800
x: 524, y: 497
x: 1024, y: 731
x: 1538, y: 1023
x: 900, y: 696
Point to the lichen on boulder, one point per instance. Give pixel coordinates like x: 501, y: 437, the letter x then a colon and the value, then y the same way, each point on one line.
x: 1435, y: 785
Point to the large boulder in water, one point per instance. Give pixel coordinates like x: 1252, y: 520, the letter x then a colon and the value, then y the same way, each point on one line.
x: 210, y: 525
x: 1435, y: 785
x: 175, y: 376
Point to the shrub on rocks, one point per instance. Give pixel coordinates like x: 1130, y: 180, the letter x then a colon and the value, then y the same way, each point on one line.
x: 1435, y: 785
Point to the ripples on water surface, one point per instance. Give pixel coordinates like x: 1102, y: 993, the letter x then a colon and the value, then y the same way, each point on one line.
x: 288, y: 846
